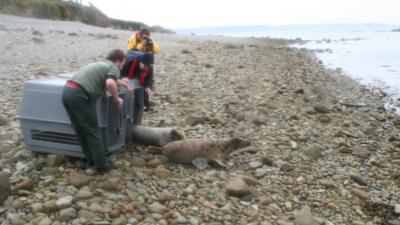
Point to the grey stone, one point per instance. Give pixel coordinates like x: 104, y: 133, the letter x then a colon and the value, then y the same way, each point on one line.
x: 314, y: 151
x: 182, y: 220
x: 89, y: 216
x: 359, y: 179
x: 255, y: 164
x: 237, y: 187
x: 79, y: 180
x: 162, y: 172
x: 397, y: 209
x: 200, y: 163
x: 286, y: 167
x: 111, y: 184
x: 64, y: 202
x: 54, y: 160
x: 67, y: 214
x: 83, y: 195
x: 304, y: 217
x: 119, y: 221
x: 156, y: 207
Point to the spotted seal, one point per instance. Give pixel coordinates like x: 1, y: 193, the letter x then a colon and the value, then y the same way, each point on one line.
x: 215, y: 151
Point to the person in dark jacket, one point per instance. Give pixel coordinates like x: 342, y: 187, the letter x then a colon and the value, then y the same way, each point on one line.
x: 138, y: 66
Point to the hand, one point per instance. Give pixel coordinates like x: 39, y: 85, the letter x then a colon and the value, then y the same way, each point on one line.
x: 147, y: 90
x: 119, y: 101
x: 129, y: 89
x: 144, y: 41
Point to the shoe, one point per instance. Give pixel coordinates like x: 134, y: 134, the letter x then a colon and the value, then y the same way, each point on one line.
x: 84, y: 164
x: 103, y: 170
x: 109, y: 166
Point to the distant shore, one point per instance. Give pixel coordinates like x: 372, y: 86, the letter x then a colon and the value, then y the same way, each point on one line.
x: 320, y: 141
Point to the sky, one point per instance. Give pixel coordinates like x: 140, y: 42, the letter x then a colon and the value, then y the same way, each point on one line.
x: 175, y: 14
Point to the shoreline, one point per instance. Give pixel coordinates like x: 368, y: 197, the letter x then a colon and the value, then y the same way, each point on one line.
x: 281, y: 99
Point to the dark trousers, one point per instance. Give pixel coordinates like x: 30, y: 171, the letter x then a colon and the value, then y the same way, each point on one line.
x: 82, y: 112
x: 146, y: 100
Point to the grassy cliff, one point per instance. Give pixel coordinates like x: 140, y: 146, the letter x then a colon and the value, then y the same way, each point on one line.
x: 68, y: 10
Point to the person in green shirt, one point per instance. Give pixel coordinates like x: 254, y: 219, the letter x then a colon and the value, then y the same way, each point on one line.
x: 79, y: 98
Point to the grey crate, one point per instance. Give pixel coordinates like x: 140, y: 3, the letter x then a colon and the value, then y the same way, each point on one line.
x: 46, y: 126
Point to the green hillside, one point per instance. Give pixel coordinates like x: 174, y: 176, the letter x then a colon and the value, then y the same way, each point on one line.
x: 70, y: 11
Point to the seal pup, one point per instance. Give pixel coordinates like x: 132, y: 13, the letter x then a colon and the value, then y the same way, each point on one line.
x: 215, y: 151
x: 155, y: 136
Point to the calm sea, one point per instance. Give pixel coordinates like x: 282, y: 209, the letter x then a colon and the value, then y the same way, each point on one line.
x: 367, y: 53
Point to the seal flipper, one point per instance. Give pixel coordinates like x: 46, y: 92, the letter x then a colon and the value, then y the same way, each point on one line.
x: 219, y: 163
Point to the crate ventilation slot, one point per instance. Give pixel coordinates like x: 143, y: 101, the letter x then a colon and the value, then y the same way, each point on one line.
x: 54, y: 137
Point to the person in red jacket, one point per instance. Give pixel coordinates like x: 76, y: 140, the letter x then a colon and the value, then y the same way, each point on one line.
x: 138, y: 66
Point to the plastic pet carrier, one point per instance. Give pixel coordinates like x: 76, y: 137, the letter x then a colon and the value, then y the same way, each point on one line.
x: 47, y: 128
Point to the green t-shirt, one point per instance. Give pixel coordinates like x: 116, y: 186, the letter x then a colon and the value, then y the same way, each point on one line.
x: 93, y: 77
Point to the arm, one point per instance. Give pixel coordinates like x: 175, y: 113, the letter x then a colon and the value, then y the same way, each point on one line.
x: 156, y: 48
x: 149, y: 81
x: 112, y: 87
x: 124, y: 82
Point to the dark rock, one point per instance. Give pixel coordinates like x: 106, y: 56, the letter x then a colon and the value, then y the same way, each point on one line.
x: 267, y: 161
x: 345, y: 150
x: 115, y: 213
x: 321, y: 109
x: 299, y: 91
x: 195, y: 120
x: 185, y: 51
x: 37, y: 33
x: 359, y: 179
x: 5, y: 187
x: 324, y: 118
x: 247, y: 198
x: 232, y: 46
x: 37, y: 40
x: 73, y: 34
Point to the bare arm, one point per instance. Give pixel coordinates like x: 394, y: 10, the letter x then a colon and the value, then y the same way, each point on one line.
x: 112, y: 87
x: 123, y: 82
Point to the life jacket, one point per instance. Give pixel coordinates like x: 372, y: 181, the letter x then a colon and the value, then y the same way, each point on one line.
x: 134, y: 63
x: 134, y: 40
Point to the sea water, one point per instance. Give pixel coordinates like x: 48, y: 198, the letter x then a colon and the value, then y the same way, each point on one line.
x: 369, y: 53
